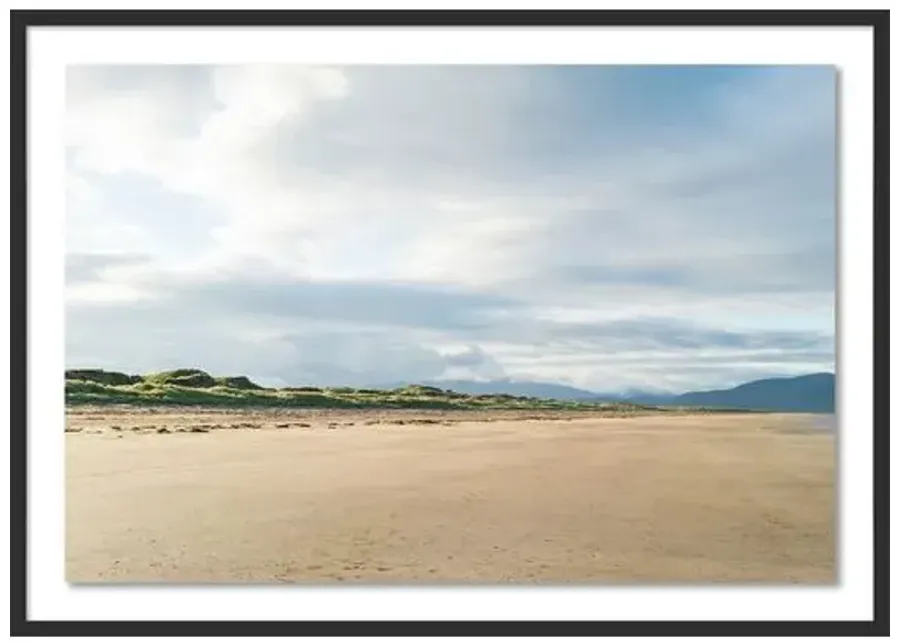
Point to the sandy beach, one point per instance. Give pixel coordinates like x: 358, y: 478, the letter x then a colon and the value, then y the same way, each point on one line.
x: 201, y: 496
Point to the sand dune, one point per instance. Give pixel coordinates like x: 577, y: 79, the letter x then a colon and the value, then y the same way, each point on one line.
x: 355, y: 497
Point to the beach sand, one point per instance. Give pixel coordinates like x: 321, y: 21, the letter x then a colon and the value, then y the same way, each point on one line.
x: 201, y: 496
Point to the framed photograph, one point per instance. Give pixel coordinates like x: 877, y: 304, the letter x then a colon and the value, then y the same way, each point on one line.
x: 449, y: 323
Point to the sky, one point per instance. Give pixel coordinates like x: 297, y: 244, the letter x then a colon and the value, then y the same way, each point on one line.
x: 614, y: 228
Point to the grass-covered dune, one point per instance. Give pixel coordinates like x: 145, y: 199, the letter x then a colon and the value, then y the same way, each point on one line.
x: 198, y: 388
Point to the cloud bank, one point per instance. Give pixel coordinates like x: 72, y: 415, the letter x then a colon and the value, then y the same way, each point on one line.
x: 610, y: 227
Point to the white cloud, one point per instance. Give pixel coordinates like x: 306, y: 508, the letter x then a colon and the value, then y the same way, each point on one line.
x: 555, y: 190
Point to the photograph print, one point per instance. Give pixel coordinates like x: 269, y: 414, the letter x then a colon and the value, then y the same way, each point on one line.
x: 450, y: 324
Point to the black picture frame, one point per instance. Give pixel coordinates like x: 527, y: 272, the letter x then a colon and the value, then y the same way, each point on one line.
x: 21, y: 21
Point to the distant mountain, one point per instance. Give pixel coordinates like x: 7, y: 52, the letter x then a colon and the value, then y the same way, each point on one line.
x: 543, y: 390
x: 804, y: 394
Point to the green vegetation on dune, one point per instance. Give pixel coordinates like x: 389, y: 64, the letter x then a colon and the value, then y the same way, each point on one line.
x: 193, y: 387
x: 100, y: 376
x: 186, y: 377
